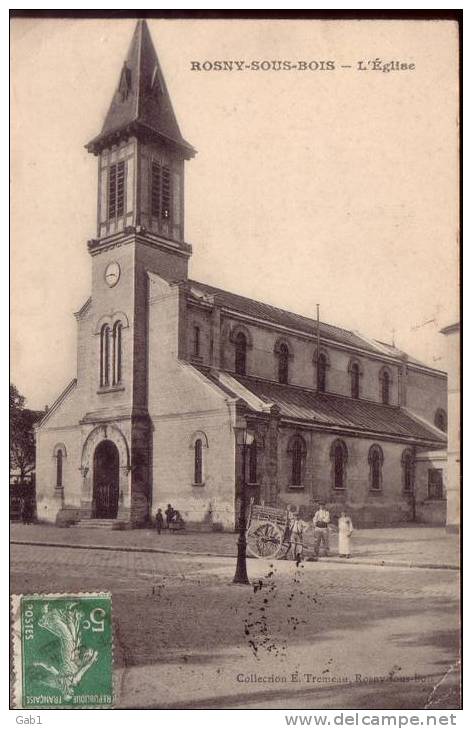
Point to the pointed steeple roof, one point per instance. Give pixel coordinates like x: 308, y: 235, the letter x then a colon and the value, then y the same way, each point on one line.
x: 141, y: 104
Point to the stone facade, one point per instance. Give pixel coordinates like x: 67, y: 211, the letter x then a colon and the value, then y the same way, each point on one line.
x: 160, y: 392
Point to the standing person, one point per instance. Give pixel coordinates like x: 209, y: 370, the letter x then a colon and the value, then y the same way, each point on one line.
x: 293, y: 536
x: 345, y: 530
x: 159, y: 521
x: 296, y: 538
x: 321, y: 521
x: 169, y: 512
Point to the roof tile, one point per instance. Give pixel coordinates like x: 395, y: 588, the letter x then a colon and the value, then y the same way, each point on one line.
x: 338, y: 411
x: 269, y: 313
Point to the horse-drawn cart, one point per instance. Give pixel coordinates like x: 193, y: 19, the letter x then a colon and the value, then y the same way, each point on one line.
x: 266, y: 531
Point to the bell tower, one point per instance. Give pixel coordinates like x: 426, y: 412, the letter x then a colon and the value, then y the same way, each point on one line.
x: 140, y: 228
x: 141, y: 153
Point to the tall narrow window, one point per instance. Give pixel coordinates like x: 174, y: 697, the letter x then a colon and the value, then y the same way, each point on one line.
x: 321, y: 373
x: 440, y: 420
x: 196, y: 341
x: 155, y: 190
x: 161, y: 191
x: 198, y: 462
x: 297, y: 452
x: 116, y: 190
x: 112, y: 192
x: 105, y: 355
x: 117, y: 356
x: 338, y: 469
x: 297, y: 463
x: 59, y: 463
x: 240, y: 354
x: 385, y: 386
x: 375, y: 463
x: 435, y: 483
x: 120, y: 189
x: 166, y: 193
x: 355, y: 377
x: 252, y: 475
x: 407, y: 468
x: 338, y: 454
x: 283, y: 363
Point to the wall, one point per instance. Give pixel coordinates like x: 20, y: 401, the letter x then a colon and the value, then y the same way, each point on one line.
x: 454, y: 474
x: 183, y: 405
x: 430, y: 511
x: 262, y: 361
x: 78, y: 441
x: 202, y: 319
x: 61, y: 428
x: 426, y: 393
x: 367, y: 507
x: 107, y: 304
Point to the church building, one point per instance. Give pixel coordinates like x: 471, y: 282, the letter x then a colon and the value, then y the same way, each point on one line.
x: 170, y: 369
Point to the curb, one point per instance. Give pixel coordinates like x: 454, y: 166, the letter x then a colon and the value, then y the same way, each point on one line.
x: 118, y: 548
x: 156, y: 550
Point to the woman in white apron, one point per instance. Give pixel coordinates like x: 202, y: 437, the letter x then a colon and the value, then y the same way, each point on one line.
x: 345, y: 530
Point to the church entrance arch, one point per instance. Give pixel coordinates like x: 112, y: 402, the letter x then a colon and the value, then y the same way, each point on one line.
x: 106, y: 474
x: 106, y: 480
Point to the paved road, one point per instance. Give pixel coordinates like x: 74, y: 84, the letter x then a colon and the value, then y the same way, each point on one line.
x: 430, y: 545
x: 353, y: 637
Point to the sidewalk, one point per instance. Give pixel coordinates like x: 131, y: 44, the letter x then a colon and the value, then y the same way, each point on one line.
x: 428, y: 547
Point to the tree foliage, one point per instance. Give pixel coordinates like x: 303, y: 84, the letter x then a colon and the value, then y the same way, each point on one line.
x: 22, y: 442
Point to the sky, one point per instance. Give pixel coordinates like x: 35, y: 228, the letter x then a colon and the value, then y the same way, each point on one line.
x: 331, y: 187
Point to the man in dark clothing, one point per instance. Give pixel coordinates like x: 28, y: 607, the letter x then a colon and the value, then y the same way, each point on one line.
x: 159, y: 521
x: 169, y: 512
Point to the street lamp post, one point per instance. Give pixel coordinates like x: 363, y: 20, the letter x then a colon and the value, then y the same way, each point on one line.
x: 244, y: 438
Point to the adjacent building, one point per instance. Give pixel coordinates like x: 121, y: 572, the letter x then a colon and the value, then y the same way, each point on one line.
x: 454, y: 474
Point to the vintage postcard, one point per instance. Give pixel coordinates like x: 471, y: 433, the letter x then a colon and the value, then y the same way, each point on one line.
x: 235, y: 382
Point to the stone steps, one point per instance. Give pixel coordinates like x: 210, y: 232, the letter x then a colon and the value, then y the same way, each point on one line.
x: 96, y: 523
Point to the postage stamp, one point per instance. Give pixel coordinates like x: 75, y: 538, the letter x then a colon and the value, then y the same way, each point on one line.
x: 62, y: 650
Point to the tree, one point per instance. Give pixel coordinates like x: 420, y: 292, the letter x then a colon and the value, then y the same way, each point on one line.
x: 22, y: 443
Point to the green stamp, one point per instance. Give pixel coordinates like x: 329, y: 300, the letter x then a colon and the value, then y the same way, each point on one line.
x: 63, y: 651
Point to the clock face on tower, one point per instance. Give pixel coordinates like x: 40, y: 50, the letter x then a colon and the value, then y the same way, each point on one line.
x: 112, y: 274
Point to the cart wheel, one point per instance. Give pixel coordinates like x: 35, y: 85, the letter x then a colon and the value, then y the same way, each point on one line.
x: 264, y: 540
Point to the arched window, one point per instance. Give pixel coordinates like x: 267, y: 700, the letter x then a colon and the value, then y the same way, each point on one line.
x: 240, y: 354
x: 440, y: 420
x: 355, y: 380
x: 252, y: 475
x: 283, y: 363
x: 117, y: 329
x: 435, y: 483
x: 59, y: 457
x: 297, y: 450
x: 198, y: 462
x: 321, y: 372
x: 197, y: 465
x: 385, y: 380
x: 407, y: 470
x: 338, y: 454
x: 105, y: 355
x: 375, y: 462
x: 59, y: 453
